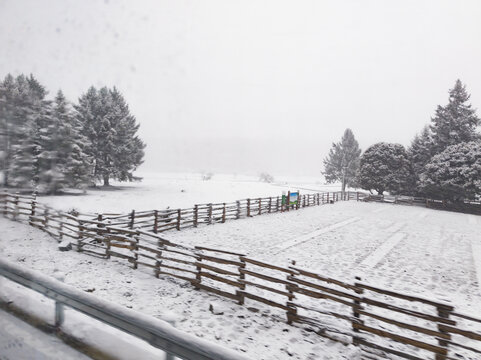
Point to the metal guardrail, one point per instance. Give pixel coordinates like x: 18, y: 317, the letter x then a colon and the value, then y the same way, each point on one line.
x: 158, y: 333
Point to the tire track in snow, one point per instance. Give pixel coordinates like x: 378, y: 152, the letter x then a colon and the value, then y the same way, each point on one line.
x: 290, y: 243
x: 377, y: 255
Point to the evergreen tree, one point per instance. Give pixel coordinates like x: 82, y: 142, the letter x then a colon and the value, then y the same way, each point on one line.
x: 456, y: 122
x: 342, y: 162
x: 454, y: 174
x: 63, y: 162
x: 29, y: 111
x: 115, y: 148
x: 421, y: 150
x: 386, y: 167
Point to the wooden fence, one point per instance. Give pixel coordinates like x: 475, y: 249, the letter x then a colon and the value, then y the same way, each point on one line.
x: 378, y: 320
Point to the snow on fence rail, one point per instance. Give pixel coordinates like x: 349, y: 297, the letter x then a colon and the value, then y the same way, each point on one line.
x: 375, y: 319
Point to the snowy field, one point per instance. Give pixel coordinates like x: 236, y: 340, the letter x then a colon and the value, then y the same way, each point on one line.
x: 181, y: 190
x: 430, y: 253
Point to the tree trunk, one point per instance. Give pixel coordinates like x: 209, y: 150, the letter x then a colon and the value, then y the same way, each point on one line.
x: 106, y: 180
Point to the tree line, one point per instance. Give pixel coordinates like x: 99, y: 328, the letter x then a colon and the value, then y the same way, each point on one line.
x: 49, y: 144
x: 442, y: 162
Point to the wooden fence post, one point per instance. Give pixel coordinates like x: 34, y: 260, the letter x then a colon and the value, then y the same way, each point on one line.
x: 15, y: 212
x: 288, y: 200
x: 355, y: 309
x: 223, y: 213
x: 179, y: 216
x: 196, y: 215
x: 248, y: 207
x: 132, y: 219
x: 277, y: 203
x: 134, y: 244
x: 269, y: 209
x: 158, y: 258
x: 240, y: 293
x: 60, y: 227
x: 292, y: 309
x: 210, y: 214
x: 32, y: 212
x: 156, y: 221
x: 442, y: 313
x: 99, y: 231
x: 107, y: 250
x: 238, y: 210
x: 5, y: 202
x: 260, y: 206
x: 79, y: 235
x: 45, y: 219
x: 357, y: 195
x: 198, y: 275
x: 298, y: 200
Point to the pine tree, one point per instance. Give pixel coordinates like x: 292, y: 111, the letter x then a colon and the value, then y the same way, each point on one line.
x: 115, y: 148
x: 342, y: 162
x: 63, y: 162
x: 386, y: 167
x: 29, y: 112
x: 456, y: 122
x: 421, y: 150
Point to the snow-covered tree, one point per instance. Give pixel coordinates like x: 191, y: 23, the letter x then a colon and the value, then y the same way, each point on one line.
x: 28, y: 111
x: 342, y: 163
x: 421, y: 150
x: 456, y: 122
x: 111, y: 129
x: 63, y: 161
x: 386, y: 167
x: 454, y: 174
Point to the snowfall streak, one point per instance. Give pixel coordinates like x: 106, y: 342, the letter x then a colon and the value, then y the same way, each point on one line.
x: 288, y: 244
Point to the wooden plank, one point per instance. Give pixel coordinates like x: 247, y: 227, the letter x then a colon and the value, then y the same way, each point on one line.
x: 280, y: 292
x: 174, y: 275
x: 267, y: 265
x: 176, y: 268
x: 216, y: 291
x: 317, y: 295
x: 325, y: 279
x: 388, y: 350
x: 216, y: 269
x: 323, y: 288
x: 220, y: 279
x: 402, y: 339
x: 407, y: 311
x: 323, y: 312
x: 405, y: 297
x: 219, y: 260
x: 186, y: 262
x: 405, y: 325
x: 219, y: 251
x: 265, y: 301
x: 264, y: 277
x: 466, y: 333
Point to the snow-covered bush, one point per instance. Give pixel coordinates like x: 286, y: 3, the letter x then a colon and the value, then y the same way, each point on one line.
x: 386, y: 167
x: 265, y: 177
x: 454, y: 174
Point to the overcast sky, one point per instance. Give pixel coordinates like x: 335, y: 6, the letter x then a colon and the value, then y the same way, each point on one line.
x: 250, y: 86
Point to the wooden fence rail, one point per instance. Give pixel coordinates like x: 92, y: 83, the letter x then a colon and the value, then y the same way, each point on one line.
x: 358, y: 313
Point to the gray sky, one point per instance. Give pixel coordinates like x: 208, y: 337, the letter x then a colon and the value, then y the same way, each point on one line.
x: 250, y: 86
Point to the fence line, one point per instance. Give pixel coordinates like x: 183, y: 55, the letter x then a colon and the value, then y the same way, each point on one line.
x: 357, y: 313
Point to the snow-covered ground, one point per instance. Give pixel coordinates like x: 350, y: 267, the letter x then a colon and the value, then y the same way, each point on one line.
x: 410, y: 249
x: 181, y: 190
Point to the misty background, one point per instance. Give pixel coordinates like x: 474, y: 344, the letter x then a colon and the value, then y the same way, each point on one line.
x: 251, y: 86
